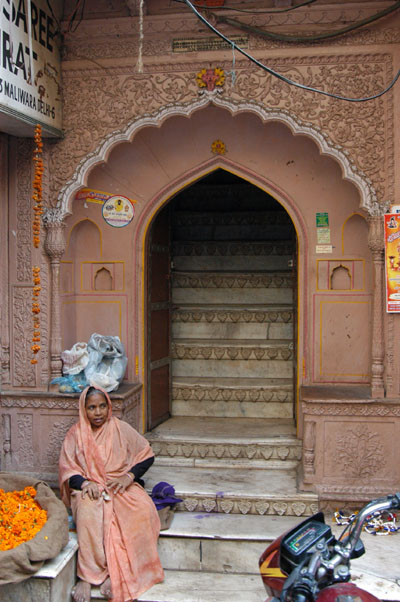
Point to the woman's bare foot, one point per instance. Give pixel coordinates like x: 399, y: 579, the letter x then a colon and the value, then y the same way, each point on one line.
x: 105, y: 589
x: 81, y: 592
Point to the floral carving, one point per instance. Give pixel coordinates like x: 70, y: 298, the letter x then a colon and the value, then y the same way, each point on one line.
x: 55, y: 438
x: 274, y: 352
x: 359, y: 452
x: 123, y: 96
x: 24, y: 235
x: 281, y: 394
x: 23, y: 371
x: 25, y: 431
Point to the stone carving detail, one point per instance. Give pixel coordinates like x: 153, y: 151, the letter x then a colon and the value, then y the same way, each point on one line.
x: 44, y: 320
x: 309, y: 448
x: 190, y: 504
x: 244, y: 507
x: 24, y: 436
x: 232, y: 281
x: 235, y: 316
x: 136, y: 95
x: 189, y: 352
x: 52, y: 403
x: 55, y: 438
x: 351, y: 410
x: 226, y: 506
x: 231, y: 219
x: 209, y: 505
x: 280, y: 508
x: 131, y: 414
x: 359, y: 452
x: 24, y: 217
x: 6, y: 438
x: 248, y: 506
x: 23, y: 370
x: 298, y: 508
x: 279, y: 394
x: 261, y: 507
x: 232, y: 248
x: 290, y: 451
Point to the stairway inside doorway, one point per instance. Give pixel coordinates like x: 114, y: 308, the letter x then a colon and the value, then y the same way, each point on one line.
x: 230, y: 447
x: 232, y: 294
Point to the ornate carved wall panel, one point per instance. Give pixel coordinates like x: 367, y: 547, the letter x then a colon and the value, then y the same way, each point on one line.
x: 348, y: 452
x: 23, y: 372
x: 32, y: 427
x: 111, y: 98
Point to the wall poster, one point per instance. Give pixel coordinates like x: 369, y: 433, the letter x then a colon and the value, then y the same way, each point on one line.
x: 392, y: 261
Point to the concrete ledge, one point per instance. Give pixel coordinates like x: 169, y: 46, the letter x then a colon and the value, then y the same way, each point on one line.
x: 52, y: 583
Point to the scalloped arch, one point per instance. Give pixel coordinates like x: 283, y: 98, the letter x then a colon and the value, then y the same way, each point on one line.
x: 350, y: 172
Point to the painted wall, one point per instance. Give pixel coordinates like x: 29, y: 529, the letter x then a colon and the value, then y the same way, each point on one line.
x: 334, y: 287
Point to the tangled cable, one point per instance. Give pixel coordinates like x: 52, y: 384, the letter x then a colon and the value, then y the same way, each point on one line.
x: 279, y: 75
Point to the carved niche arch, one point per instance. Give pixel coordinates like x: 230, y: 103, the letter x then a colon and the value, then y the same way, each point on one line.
x: 349, y: 172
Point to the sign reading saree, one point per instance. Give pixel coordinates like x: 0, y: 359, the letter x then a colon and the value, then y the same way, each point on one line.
x: 392, y: 261
x: 30, y: 72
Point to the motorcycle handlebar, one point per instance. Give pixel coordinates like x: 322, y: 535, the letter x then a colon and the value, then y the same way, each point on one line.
x: 390, y: 502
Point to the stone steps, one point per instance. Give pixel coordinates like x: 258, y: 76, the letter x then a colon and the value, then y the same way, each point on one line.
x: 208, y: 442
x: 270, y: 225
x: 232, y: 397
x: 232, y: 255
x: 227, y: 358
x: 218, y: 543
x: 235, y: 490
x: 232, y: 279
x: 193, y: 586
x: 234, y: 321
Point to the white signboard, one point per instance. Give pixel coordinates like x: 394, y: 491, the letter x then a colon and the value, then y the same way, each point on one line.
x: 30, y: 77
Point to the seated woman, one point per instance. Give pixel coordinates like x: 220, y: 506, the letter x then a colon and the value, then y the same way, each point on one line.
x: 101, y: 461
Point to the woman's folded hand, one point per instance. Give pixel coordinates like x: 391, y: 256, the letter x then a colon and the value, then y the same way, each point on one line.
x: 119, y: 484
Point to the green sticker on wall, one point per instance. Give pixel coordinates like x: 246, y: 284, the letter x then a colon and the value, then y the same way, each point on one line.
x: 322, y: 220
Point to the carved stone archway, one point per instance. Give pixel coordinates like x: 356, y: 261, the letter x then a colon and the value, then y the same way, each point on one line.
x: 350, y: 172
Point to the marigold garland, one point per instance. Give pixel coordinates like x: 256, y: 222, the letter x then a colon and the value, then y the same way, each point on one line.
x: 38, y: 210
x: 21, y: 517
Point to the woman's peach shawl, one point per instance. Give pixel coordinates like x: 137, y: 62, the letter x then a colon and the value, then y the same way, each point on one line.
x: 128, y: 525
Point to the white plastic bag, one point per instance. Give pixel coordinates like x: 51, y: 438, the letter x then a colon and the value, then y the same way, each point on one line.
x: 75, y: 359
x: 107, y: 361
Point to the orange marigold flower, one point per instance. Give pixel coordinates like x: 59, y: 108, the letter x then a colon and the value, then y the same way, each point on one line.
x: 21, y: 516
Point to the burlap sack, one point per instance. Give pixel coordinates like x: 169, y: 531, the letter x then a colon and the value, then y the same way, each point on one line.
x: 27, y: 558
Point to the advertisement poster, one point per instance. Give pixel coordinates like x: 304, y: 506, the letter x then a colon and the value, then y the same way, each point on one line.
x: 30, y: 72
x: 392, y: 262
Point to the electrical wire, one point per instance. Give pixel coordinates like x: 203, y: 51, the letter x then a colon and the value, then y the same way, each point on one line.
x: 313, y: 38
x: 279, y: 75
x: 253, y: 12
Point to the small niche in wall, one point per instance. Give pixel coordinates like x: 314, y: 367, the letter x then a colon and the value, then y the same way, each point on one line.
x: 340, y: 274
x: 102, y: 276
x: 340, y: 279
x: 103, y: 280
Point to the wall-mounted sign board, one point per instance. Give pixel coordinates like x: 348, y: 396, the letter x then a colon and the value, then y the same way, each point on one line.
x: 30, y: 72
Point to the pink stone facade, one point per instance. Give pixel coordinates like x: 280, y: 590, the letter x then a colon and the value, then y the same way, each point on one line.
x: 148, y: 135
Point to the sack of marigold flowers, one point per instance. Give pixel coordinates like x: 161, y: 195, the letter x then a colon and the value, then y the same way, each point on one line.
x: 33, y: 526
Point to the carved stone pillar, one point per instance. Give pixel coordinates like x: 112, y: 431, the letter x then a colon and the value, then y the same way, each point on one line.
x: 309, y: 450
x: 376, y: 244
x: 55, y: 247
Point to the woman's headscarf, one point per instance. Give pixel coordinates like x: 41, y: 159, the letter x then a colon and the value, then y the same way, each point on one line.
x: 100, y: 454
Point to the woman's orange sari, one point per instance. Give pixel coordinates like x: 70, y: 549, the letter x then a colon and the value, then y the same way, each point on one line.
x: 117, y: 538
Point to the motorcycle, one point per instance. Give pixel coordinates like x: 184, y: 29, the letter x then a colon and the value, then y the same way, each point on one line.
x: 308, y: 564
